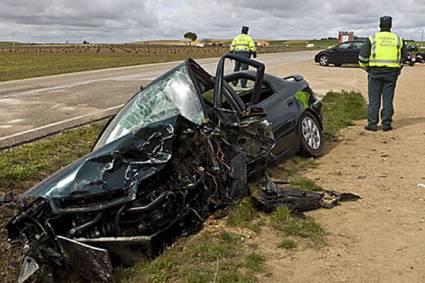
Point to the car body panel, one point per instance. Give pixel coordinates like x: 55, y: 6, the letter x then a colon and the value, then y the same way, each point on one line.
x: 283, y: 108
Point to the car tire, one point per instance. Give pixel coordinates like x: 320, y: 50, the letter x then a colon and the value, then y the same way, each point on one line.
x: 324, y: 60
x: 311, y: 135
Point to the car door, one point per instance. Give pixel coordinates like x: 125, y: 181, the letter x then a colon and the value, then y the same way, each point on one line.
x: 282, y: 112
x: 352, y: 53
x: 341, y: 53
x: 354, y: 59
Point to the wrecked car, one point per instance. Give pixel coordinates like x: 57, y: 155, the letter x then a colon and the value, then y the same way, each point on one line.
x: 179, y: 150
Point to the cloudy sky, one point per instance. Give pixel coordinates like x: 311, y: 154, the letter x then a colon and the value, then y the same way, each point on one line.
x: 131, y: 20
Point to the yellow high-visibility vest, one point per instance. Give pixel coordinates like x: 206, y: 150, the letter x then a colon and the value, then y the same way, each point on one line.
x: 386, y: 50
x: 243, y: 42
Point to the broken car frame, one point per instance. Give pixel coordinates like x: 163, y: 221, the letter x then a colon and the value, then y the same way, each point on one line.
x: 162, y: 165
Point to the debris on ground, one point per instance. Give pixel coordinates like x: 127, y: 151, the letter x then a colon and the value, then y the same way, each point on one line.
x: 271, y: 196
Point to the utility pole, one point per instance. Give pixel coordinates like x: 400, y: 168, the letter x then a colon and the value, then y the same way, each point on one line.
x: 422, y: 35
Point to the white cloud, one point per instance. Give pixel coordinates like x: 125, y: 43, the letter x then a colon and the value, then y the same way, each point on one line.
x: 130, y: 20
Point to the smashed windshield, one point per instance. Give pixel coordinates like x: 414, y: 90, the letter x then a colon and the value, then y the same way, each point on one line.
x: 174, y: 94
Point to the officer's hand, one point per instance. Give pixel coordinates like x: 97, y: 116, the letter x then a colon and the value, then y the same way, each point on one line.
x: 254, y: 54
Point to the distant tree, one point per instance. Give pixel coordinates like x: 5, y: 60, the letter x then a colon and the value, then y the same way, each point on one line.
x: 191, y: 35
x: 85, y: 42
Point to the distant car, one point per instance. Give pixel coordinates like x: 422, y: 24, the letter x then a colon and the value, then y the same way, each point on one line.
x: 344, y: 53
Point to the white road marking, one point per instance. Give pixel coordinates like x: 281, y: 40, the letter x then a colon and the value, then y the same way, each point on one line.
x: 15, y: 121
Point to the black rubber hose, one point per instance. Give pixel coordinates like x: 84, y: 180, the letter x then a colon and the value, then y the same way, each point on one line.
x: 85, y: 226
x: 118, y: 220
x: 151, y: 206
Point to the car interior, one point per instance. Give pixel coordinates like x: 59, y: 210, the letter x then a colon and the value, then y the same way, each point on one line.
x: 246, y: 93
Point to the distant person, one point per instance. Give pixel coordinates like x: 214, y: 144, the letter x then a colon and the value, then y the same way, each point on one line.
x: 244, y: 46
x: 382, y: 56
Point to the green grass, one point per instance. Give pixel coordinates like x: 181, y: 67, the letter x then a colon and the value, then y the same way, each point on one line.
x: 301, y: 43
x: 241, y: 214
x: 290, y: 171
x: 255, y: 262
x: 206, y: 257
x: 304, y: 184
x: 282, y: 220
x: 9, y: 43
x: 340, y: 109
x: 288, y: 244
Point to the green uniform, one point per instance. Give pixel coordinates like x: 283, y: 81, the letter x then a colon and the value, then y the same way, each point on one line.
x: 382, y: 55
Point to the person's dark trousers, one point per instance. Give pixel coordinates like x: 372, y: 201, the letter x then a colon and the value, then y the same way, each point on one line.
x: 240, y: 66
x: 381, y: 87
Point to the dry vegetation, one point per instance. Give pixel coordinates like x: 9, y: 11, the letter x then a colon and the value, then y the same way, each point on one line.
x: 26, y: 61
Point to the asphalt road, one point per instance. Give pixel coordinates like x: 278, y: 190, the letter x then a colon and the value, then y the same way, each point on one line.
x: 36, y: 107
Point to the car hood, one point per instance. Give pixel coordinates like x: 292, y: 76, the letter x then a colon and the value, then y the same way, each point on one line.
x: 117, y: 167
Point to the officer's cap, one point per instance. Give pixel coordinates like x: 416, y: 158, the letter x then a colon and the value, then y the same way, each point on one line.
x: 385, y: 22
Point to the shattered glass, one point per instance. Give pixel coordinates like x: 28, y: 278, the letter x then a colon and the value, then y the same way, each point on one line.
x: 167, y: 97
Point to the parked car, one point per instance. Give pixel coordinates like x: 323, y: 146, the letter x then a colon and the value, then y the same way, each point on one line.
x: 344, y: 53
x: 180, y: 149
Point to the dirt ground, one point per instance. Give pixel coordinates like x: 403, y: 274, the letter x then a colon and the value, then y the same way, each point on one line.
x: 381, y: 237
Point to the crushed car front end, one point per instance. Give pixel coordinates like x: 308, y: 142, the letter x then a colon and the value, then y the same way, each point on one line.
x: 158, y: 170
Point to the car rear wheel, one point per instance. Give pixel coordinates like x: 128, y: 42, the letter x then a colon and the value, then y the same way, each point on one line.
x: 324, y: 60
x: 311, y: 136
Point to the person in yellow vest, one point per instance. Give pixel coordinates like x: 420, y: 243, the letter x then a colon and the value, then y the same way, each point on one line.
x: 244, y: 46
x: 382, y: 56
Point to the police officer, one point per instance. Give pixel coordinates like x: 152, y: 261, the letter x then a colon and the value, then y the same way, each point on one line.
x: 382, y: 56
x: 244, y: 46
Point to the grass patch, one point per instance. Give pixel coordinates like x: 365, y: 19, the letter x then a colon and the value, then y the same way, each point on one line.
x: 255, y: 262
x: 25, y: 165
x: 323, y: 43
x: 340, y: 109
x: 304, y: 184
x: 206, y: 257
x: 307, y: 227
x: 241, y: 214
x: 288, y: 244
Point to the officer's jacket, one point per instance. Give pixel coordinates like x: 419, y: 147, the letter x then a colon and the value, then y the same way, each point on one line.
x: 384, y: 50
x: 243, y: 43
